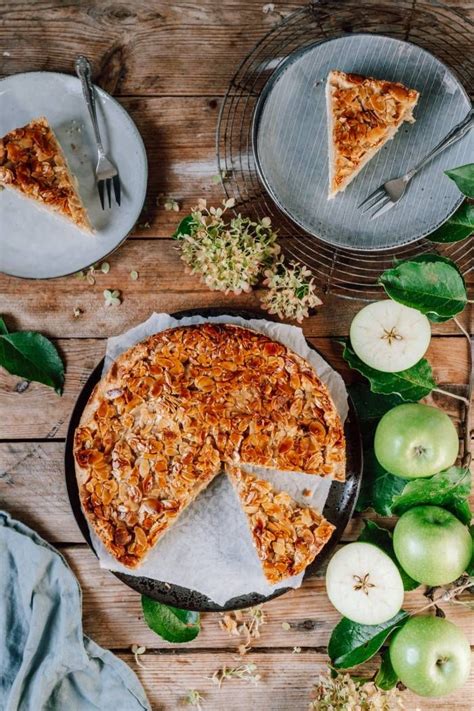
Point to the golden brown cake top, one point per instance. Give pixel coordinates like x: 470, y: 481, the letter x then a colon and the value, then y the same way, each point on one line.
x: 287, y: 536
x: 364, y: 113
x: 189, y: 396
x: 32, y: 162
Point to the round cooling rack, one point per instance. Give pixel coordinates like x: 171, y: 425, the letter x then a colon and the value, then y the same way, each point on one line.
x: 442, y: 30
x: 338, y: 509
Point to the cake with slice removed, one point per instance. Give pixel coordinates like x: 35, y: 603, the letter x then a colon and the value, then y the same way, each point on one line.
x: 33, y: 164
x: 363, y: 114
x: 287, y: 536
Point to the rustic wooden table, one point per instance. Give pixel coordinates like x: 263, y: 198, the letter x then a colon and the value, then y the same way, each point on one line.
x: 169, y: 64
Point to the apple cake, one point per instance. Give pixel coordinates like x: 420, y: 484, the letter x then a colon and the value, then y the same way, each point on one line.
x: 33, y: 164
x: 363, y: 114
x: 287, y: 536
x: 176, y: 408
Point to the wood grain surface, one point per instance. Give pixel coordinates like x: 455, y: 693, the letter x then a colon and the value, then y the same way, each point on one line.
x: 169, y: 64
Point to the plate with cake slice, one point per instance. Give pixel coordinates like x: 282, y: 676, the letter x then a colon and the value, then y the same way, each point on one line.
x: 213, y: 442
x: 52, y: 222
x: 339, y: 118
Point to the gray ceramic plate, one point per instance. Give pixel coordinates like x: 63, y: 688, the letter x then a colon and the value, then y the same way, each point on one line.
x: 338, y: 508
x: 290, y: 143
x: 36, y: 244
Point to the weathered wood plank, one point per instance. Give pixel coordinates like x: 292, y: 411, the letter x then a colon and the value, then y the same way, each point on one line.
x: 287, y: 682
x: 112, y: 613
x: 162, y: 286
x: 38, y: 413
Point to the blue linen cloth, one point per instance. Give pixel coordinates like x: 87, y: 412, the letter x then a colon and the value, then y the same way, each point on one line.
x: 46, y: 662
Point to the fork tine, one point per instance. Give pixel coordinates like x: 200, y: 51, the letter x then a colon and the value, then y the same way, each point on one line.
x: 116, y: 182
x: 369, y: 197
x: 100, y: 187
x: 387, y: 205
x: 108, y: 185
x: 375, y: 203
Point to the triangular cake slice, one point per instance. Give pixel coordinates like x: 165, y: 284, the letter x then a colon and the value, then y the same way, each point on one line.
x: 32, y: 163
x: 287, y: 536
x: 363, y: 114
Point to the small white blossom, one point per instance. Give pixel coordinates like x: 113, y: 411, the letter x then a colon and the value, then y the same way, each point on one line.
x: 112, y: 298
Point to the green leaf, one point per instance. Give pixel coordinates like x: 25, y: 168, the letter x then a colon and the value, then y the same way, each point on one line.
x: 370, y: 407
x: 32, y: 357
x: 411, y: 384
x: 470, y: 567
x: 352, y: 643
x: 448, y: 489
x: 380, y: 537
x: 429, y: 283
x: 464, y: 178
x: 386, y: 677
x: 184, y: 227
x: 457, y: 227
x: 3, y: 327
x: 169, y: 622
x: 378, y: 486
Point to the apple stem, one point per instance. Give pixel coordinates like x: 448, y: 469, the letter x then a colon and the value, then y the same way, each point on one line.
x: 446, y: 596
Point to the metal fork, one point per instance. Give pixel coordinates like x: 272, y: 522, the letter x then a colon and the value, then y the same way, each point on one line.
x: 388, y: 194
x: 105, y: 172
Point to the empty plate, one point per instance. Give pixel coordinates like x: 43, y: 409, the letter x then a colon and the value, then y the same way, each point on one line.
x: 291, y: 145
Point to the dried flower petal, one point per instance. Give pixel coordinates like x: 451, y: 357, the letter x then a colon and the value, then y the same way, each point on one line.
x: 134, y: 275
x: 246, y: 672
x: 285, y: 626
x: 112, y: 298
x: 343, y: 692
x: 194, y: 698
x: 291, y: 291
x: 105, y: 267
x: 136, y: 650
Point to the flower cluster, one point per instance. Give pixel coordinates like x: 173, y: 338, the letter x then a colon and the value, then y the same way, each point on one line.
x: 343, y: 692
x: 229, y: 254
x: 291, y: 291
x: 233, y: 254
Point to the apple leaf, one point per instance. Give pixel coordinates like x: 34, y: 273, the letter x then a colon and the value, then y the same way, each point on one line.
x: 457, y: 227
x: 429, y: 283
x: 411, y: 385
x: 470, y: 567
x: 31, y: 356
x: 169, y: 622
x: 386, y: 677
x: 464, y: 178
x: 371, y: 407
x: 378, y: 486
x: 352, y: 644
x: 380, y: 537
x: 449, y: 489
x: 184, y: 227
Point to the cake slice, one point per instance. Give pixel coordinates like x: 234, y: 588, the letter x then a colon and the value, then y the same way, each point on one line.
x: 363, y: 114
x: 33, y: 164
x: 287, y: 536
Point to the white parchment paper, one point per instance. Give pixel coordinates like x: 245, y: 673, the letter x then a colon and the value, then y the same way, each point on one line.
x: 209, y: 549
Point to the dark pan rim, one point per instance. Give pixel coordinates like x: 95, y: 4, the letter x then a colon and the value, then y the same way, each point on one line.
x: 338, y: 509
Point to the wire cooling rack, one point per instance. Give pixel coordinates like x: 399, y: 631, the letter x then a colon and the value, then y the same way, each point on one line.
x: 442, y: 30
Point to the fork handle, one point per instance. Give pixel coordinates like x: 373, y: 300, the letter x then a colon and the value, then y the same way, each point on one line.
x: 452, y: 137
x: 84, y: 72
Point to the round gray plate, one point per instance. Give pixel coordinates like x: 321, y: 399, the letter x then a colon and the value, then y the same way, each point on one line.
x: 290, y: 143
x: 35, y: 243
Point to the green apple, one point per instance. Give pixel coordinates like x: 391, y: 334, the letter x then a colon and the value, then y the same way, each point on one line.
x: 432, y: 545
x: 414, y: 441
x: 431, y: 656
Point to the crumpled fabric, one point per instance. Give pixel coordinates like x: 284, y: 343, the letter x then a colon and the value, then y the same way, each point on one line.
x: 46, y: 662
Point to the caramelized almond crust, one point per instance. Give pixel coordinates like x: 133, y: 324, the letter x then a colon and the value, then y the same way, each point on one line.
x: 287, y: 536
x: 363, y: 114
x: 33, y: 163
x: 175, y: 406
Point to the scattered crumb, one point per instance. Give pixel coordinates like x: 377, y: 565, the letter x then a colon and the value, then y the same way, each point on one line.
x: 268, y: 8
x: 296, y: 650
x: 77, y: 312
x: 22, y: 386
x: 307, y: 492
x: 6, y: 54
